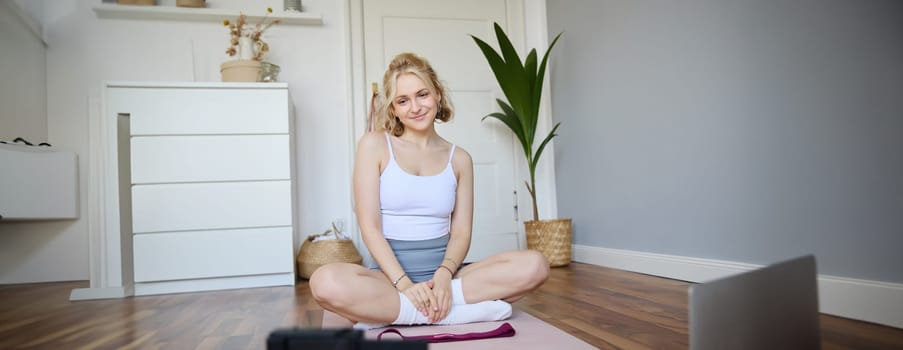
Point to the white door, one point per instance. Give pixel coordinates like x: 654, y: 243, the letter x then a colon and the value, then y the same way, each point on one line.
x: 440, y: 31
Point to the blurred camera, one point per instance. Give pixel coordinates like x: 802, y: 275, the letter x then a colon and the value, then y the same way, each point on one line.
x: 333, y: 339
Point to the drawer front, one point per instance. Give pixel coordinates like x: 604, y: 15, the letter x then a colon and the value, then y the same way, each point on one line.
x: 158, y: 159
x: 206, y: 254
x: 175, y: 111
x: 200, y: 206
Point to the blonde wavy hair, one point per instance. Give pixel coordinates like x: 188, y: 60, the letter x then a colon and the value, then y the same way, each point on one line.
x: 409, y: 63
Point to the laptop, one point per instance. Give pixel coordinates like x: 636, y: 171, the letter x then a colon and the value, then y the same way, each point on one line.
x: 774, y: 307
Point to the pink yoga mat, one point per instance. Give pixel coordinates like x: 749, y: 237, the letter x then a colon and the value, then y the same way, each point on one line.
x: 532, y: 333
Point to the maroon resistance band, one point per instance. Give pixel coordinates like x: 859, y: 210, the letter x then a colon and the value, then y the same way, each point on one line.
x: 505, y: 330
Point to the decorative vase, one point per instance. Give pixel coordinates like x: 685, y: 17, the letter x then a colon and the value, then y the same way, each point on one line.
x: 268, y: 72
x: 240, y: 71
x: 552, y: 238
x: 292, y: 5
x: 245, y: 48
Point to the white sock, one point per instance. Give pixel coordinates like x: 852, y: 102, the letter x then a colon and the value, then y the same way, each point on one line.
x: 457, y: 292
x: 461, y: 312
x: 368, y: 326
x: 492, y: 310
x: 485, y: 311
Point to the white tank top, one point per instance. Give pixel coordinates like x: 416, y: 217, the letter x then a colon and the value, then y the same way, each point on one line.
x: 416, y: 207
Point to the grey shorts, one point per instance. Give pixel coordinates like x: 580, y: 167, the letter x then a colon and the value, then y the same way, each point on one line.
x: 419, y: 259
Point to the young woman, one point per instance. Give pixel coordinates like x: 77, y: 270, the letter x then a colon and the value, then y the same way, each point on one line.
x: 414, y: 203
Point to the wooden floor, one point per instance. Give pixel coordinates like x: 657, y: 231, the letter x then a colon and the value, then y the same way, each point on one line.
x: 608, y: 308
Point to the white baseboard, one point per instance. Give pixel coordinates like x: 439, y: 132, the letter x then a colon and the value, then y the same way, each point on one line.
x: 872, y: 301
x: 201, y: 285
x: 210, y: 284
x: 99, y: 293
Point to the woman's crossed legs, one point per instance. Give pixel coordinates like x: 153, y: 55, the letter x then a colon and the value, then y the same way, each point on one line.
x: 363, y: 295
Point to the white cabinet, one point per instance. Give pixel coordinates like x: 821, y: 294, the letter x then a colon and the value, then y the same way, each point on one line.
x: 37, y: 183
x: 208, y: 168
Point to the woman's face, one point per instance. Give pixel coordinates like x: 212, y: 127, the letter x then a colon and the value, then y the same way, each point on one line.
x: 414, y: 104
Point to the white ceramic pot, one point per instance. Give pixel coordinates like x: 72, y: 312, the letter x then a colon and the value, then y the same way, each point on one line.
x: 246, y: 48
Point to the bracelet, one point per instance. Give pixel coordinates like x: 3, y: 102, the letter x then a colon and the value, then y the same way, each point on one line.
x: 452, y: 261
x: 395, y: 284
x: 449, y: 270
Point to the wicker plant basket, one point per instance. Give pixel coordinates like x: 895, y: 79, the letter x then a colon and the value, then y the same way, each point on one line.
x: 312, y: 254
x: 552, y: 238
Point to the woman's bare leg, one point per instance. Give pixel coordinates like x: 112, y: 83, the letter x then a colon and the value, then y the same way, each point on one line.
x: 507, y: 276
x: 355, y: 292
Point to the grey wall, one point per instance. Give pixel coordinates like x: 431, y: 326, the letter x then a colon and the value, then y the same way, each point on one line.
x: 748, y: 131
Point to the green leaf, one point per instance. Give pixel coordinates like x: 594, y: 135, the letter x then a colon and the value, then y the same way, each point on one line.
x: 518, y: 91
x: 530, y: 64
x: 530, y: 74
x: 525, y: 140
x: 541, y: 74
x: 508, y: 120
x: 543, y: 146
x: 512, y: 88
x: 508, y: 51
x: 496, y: 63
x: 521, y: 135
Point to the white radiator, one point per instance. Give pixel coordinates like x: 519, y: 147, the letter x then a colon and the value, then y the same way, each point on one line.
x: 37, y: 183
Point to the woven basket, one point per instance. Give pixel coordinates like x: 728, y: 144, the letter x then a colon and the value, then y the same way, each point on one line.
x: 552, y: 238
x: 191, y: 3
x: 312, y: 254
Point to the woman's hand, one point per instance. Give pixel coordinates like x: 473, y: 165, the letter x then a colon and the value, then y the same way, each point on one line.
x: 422, y: 296
x: 442, y: 290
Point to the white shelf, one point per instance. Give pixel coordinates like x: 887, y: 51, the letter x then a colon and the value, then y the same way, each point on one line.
x: 215, y: 15
x: 195, y: 85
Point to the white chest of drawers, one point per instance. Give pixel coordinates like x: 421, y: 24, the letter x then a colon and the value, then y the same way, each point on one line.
x: 205, y: 184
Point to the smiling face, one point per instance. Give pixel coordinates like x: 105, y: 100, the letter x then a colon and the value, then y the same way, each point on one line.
x: 414, y: 104
x: 412, y: 95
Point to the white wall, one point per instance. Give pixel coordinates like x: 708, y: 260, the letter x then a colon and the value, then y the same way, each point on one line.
x: 27, y: 250
x: 83, y: 51
x: 22, y: 67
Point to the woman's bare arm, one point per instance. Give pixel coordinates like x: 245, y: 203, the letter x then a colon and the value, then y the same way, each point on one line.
x: 368, y: 164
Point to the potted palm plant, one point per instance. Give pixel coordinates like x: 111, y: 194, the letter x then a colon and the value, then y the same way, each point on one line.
x: 521, y: 82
